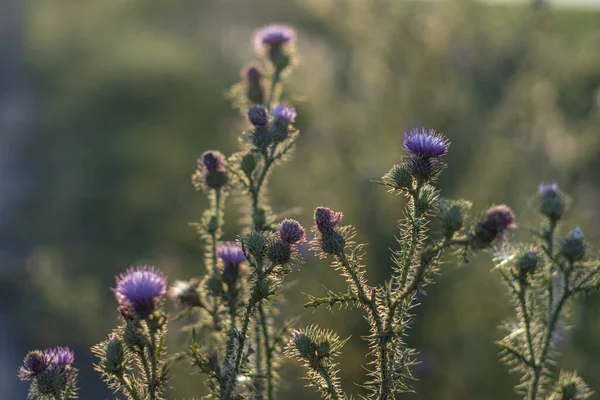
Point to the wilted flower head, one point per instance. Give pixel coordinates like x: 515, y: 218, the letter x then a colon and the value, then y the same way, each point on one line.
x: 291, y: 231
x: 326, y: 218
x: 185, y: 292
x: 139, y: 288
x: 425, y: 143
x: 258, y: 115
x: 60, y: 356
x: 34, y: 364
x: 212, y: 161
x: 284, y: 115
x: 274, y: 35
x: 499, y: 219
x: 230, y: 253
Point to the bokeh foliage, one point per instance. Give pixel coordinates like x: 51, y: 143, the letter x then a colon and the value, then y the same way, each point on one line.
x: 128, y: 94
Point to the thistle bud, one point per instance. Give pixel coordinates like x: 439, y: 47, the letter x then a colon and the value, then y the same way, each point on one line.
x: 452, y: 214
x: 212, y: 170
x: 276, y: 42
x: 305, y: 346
x: 290, y: 231
x: 248, y: 164
x: 552, y: 202
x: 280, y: 252
x: 258, y: 116
x: 252, y: 77
x: 115, y: 356
x: 132, y: 337
x: 398, y: 178
x: 266, y: 287
x: 34, y: 364
x: 324, y: 350
x: 255, y: 243
x: 526, y: 264
x: 572, y: 247
x: 570, y: 387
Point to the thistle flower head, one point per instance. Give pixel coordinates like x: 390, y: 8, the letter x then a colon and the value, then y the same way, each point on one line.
x: 550, y: 188
x: 258, y: 115
x: 326, y: 218
x: 291, y: 231
x: 139, y: 288
x: 274, y: 35
x: 212, y: 161
x: 60, y: 356
x: 425, y: 143
x: 573, y: 247
x: 284, y: 115
x: 35, y: 363
x: 230, y: 253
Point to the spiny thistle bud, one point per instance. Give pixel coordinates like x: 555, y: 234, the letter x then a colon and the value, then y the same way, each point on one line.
x: 51, y: 382
x: 526, y: 263
x: 232, y: 255
x: 255, y: 244
x: 427, y: 199
x: 452, y: 214
x: 424, y: 143
x: 140, y: 289
x: 258, y: 116
x: 552, y: 202
x: 132, y: 337
x: 572, y: 247
x: 283, y: 115
x: 570, y: 387
x: 324, y: 349
x: 305, y: 346
x: 290, y: 231
x: 266, y: 287
x: 115, y: 356
x: 185, y: 293
x: 280, y: 252
x: 496, y: 221
x: 34, y: 364
x: 252, y: 77
x: 212, y: 170
x: 248, y: 163
x: 398, y: 178
x: 273, y: 40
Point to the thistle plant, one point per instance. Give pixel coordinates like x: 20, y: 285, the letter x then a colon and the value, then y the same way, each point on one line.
x: 543, y: 280
x: 232, y: 313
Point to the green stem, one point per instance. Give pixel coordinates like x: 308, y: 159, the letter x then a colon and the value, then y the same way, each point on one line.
x: 332, y: 389
x: 259, y: 377
x: 143, y: 358
x: 274, y: 82
x: 216, y: 232
x: 268, y: 351
x: 153, y: 365
x: 526, y: 320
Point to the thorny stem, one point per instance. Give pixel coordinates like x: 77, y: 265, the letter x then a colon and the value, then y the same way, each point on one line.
x: 547, y: 339
x: 259, y: 379
x: 142, y: 354
x: 153, y: 364
x: 526, y: 320
x: 331, y: 387
x: 268, y: 350
x: 214, y: 233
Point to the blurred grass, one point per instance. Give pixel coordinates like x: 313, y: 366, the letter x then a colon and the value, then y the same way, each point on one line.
x: 128, y: 94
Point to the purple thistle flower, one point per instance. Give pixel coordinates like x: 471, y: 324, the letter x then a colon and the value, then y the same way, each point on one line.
x: 274, y: 35
x: 138, y: 289
x: 258, y: 115
x: 291, y: 231
x: 425, y: 143
x: 326, y: 218
x: 284, y: 115
x: 60, y: 356
x: 212, y: 161
x: 499, y: 219
x: 548, y: 189
x: 230, y: 253
x: 35, y: 363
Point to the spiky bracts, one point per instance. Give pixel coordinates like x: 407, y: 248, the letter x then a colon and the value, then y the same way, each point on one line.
x: 51, y: 374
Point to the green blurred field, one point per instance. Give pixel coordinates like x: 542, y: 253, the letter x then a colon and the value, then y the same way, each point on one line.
x: 129, y: 93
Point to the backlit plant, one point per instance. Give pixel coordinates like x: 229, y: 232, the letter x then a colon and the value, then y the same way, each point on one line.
x: 236, y: 336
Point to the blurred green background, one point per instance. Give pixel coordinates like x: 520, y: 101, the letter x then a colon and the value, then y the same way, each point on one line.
x: 106, y: 104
